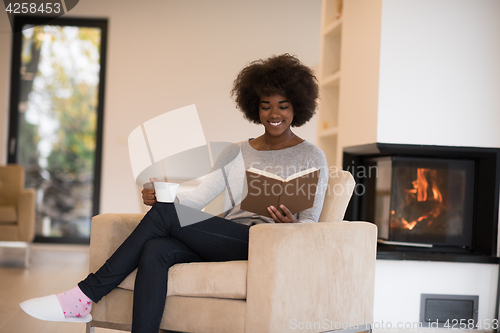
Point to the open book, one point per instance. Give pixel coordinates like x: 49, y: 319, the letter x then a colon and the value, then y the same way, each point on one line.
x: 265, y: 189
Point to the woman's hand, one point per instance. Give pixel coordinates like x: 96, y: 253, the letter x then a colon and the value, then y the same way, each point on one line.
x: 148, y: 196
x: 148, y: 192
x: 279, y: 218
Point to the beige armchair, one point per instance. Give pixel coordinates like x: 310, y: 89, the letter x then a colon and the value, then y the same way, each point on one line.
x: 17, y: 209
x: 299, y: 277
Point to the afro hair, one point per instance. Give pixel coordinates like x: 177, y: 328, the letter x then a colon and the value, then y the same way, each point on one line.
x: 278, y: 75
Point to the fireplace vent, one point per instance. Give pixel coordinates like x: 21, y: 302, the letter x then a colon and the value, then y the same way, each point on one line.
x: 450, y: 311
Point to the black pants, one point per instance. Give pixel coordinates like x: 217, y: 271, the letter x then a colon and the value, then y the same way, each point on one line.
x: 156, y: 244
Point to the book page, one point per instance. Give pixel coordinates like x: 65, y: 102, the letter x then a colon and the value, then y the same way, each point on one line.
x: 265, y: 173
x: 300, y: 174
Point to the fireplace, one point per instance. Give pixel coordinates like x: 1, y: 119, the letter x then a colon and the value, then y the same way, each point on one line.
x: 427, y: 200
x: 423, y: 201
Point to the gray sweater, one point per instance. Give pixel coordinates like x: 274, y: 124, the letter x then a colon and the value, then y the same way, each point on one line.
x: 228, y: 174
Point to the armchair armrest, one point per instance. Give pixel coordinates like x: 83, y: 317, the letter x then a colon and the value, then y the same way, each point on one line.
x: 108, y: 232
x: 26, y: 215
x: 310, y: 273
x: 338, y: 194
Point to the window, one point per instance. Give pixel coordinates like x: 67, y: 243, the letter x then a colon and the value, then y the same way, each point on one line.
x: 56, y: 120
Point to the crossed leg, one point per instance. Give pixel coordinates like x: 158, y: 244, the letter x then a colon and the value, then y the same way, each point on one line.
x: 158, y: 243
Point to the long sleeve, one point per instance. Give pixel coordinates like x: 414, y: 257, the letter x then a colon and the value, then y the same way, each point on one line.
x: 214, y: 183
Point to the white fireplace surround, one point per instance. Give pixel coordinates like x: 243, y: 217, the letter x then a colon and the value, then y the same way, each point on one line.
x: 422, y: 72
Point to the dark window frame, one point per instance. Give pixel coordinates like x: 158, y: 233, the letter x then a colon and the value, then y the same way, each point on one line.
x: 19, y: 22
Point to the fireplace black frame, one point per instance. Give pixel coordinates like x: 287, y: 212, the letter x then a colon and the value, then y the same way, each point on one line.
x: 486, y: 203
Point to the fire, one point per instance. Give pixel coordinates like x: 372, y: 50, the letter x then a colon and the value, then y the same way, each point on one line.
x: 425, y: 190
x: 407, y: 225
x: 421, y: 184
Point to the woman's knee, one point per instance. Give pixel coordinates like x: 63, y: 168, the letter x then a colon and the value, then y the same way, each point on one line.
x: 164, y: 207
x: 163, y: 215
x: 158, y: 250
x: 166, y: 251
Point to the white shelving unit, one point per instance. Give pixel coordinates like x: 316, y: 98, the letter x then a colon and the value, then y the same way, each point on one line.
x: 330, y: 80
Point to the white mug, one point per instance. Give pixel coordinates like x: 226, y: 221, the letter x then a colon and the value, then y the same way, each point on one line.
x: 165, y: 192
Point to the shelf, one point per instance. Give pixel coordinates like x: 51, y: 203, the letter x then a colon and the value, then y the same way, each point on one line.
x: 331, y: 12
x: 334, y: 28
x: 328, y: 132
x: 331, y: 80
x: 328, y: 108
x: 330, y: 50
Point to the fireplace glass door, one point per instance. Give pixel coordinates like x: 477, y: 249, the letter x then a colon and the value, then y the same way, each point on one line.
x: 422, y: 200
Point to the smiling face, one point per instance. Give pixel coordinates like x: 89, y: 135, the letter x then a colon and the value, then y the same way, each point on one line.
x: 276, y: 114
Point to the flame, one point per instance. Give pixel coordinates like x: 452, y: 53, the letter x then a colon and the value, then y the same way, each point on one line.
x: 437, y: 195
x: 425, y: 189
x: 407, y: 225
x: 421, y: 184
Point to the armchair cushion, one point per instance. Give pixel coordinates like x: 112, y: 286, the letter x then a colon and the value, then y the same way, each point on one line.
x: 11, y: 183
x: 17, y: 206
x: 8, y: 214
x: 203, y: 279
x: 9, y: 232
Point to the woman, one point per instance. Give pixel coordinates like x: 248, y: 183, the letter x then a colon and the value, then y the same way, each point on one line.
x: 279, y: 93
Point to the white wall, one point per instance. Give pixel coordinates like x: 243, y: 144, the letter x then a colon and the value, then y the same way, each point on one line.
x: 439, y: 85
x: 440, y: 73
x: 165, y: 54
x: 399, y: 285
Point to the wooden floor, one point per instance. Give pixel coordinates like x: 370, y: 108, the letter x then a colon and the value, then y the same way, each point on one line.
x: 54, y: 269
